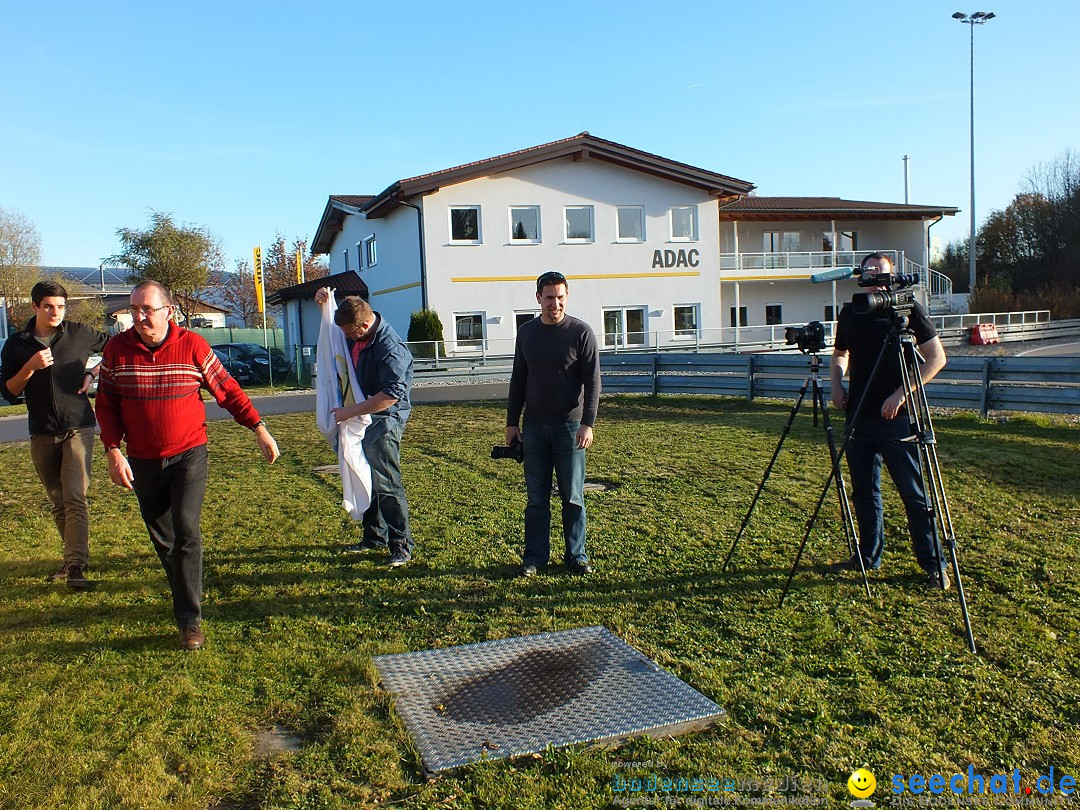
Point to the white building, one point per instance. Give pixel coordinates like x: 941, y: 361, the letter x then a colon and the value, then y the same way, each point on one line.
x: 656, y: 252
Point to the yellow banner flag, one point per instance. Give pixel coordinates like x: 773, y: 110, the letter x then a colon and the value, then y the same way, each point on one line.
x: 299, y: 266
x: 257, y: 252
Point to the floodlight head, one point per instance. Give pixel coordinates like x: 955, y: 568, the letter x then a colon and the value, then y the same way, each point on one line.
x: 978, y: 15
x: 959, y: 15
x: 989, y: 16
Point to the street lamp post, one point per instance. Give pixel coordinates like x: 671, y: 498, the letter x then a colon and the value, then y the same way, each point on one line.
x: 976, y: 18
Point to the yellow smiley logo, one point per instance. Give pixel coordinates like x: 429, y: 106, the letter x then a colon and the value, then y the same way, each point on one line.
x: 861, y: 783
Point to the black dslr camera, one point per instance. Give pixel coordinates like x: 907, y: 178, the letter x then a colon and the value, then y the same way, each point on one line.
x: 899, y: 300
x: 514, y: 450
x: 811, y: 338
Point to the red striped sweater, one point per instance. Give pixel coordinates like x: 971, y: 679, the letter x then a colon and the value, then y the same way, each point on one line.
x: 150, y: 397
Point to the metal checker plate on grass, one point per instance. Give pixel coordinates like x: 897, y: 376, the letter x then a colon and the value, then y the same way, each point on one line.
x: 517, y: 695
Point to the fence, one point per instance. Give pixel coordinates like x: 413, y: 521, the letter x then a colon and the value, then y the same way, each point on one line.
x: 1041, y: 385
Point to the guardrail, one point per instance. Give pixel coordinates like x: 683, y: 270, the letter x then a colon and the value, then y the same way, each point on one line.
x: 983, y: 384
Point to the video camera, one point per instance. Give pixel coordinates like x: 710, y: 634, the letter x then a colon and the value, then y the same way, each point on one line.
x: 901, y: 300
x: 810, y: 338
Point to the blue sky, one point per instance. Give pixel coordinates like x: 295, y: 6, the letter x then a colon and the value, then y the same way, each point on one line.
x: 243, y: 117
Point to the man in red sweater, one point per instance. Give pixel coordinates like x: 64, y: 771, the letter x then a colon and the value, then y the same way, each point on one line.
x: 148, y: 396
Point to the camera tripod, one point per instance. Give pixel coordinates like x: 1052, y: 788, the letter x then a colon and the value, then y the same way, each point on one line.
x: 901, y: 344
x: 817, y: 397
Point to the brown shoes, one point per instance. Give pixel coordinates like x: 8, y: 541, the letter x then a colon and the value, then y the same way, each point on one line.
x: 192, y: 638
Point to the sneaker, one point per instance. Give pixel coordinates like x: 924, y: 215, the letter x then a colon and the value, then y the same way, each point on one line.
x: 76, y: 578
x: 59, y: 576
x: 364, y: 545
x: 399, y: 557
x: 579, y: 568
x: 931, y: 581
x: 527, y: 570
x: 192, y: 638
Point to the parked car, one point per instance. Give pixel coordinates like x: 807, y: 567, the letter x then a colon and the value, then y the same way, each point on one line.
x: 200, y: 323
x: 257, y: 358
x: 238, y: 369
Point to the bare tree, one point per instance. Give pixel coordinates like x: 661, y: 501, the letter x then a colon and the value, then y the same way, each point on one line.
x: 279, y: 264
x: 20, y: 260
x: 238, y: 293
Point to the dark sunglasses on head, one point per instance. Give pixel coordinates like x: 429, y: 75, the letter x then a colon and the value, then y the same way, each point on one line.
x: 550, y: 277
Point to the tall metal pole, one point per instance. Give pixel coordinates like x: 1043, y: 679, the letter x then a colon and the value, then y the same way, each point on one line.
x: 971, y: 238
x: 973, y: 19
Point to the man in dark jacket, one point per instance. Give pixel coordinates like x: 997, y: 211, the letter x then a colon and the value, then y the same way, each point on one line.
x: 46, y: 361
x: 556, y: 379
x: 384, y: 369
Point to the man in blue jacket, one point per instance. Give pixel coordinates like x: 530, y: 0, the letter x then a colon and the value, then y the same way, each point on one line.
x: 46, y: 361
x: 384, y: 372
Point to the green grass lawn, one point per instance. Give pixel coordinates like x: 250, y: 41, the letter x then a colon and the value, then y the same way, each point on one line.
x: 100, y: 708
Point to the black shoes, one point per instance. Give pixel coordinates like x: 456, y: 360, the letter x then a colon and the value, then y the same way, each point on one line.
x: 399, y: 557
x: 932, y: 582
x: 364, y: 545
x: 76, y: 577
x: 531, y: 570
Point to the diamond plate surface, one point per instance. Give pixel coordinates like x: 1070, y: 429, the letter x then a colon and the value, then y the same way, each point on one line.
x: 518, y: 695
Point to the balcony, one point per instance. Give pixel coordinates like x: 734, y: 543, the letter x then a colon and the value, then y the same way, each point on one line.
x: 801, y: 265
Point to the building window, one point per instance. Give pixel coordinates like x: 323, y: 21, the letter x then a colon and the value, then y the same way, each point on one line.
x: 624, y: 327
x: 829, y: 313
x: 845, y: 240
x: 631, y: 223
x: 684, y: 223
x: 780, y: 241
x: 686, y: 320
x: 743, y: 317
x: 522, y: 318
x: 469, y: 328
x: 525, y: 224
x: 371, y: 255
x: 579, y: 223
x: 774, y: 314
x: 465, y: 225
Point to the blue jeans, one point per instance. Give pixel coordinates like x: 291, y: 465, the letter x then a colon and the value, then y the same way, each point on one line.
x: 170, y: 492
x: 878, y: 440
x: 386, y: 521
x: 552, y: 447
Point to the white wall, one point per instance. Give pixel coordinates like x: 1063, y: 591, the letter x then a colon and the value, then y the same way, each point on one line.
x: 498, y: 277
x: 397, y: 263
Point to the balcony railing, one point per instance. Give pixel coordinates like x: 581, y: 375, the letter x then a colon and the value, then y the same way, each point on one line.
x: 807, y: 261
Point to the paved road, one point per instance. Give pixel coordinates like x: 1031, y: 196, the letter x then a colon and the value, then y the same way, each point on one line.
x: 1060, y: 350
x: 13, y: 428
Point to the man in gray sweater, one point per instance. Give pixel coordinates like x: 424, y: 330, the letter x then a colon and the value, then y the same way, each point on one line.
x: 556, y: 379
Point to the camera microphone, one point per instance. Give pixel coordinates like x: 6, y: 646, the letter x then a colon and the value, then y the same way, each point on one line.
x: 836, y: 274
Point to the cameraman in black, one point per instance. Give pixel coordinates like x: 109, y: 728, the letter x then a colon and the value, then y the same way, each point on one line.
x: 883, y: 432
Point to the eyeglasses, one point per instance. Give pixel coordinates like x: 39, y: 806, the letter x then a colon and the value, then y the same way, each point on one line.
x: 551, y: 277
x: 146, y: 312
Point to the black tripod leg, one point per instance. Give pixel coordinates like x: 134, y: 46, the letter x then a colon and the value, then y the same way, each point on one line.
x: 851, y: 533
x: 825, y: 490
x: 933, y: 483
x: 768, y: 470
